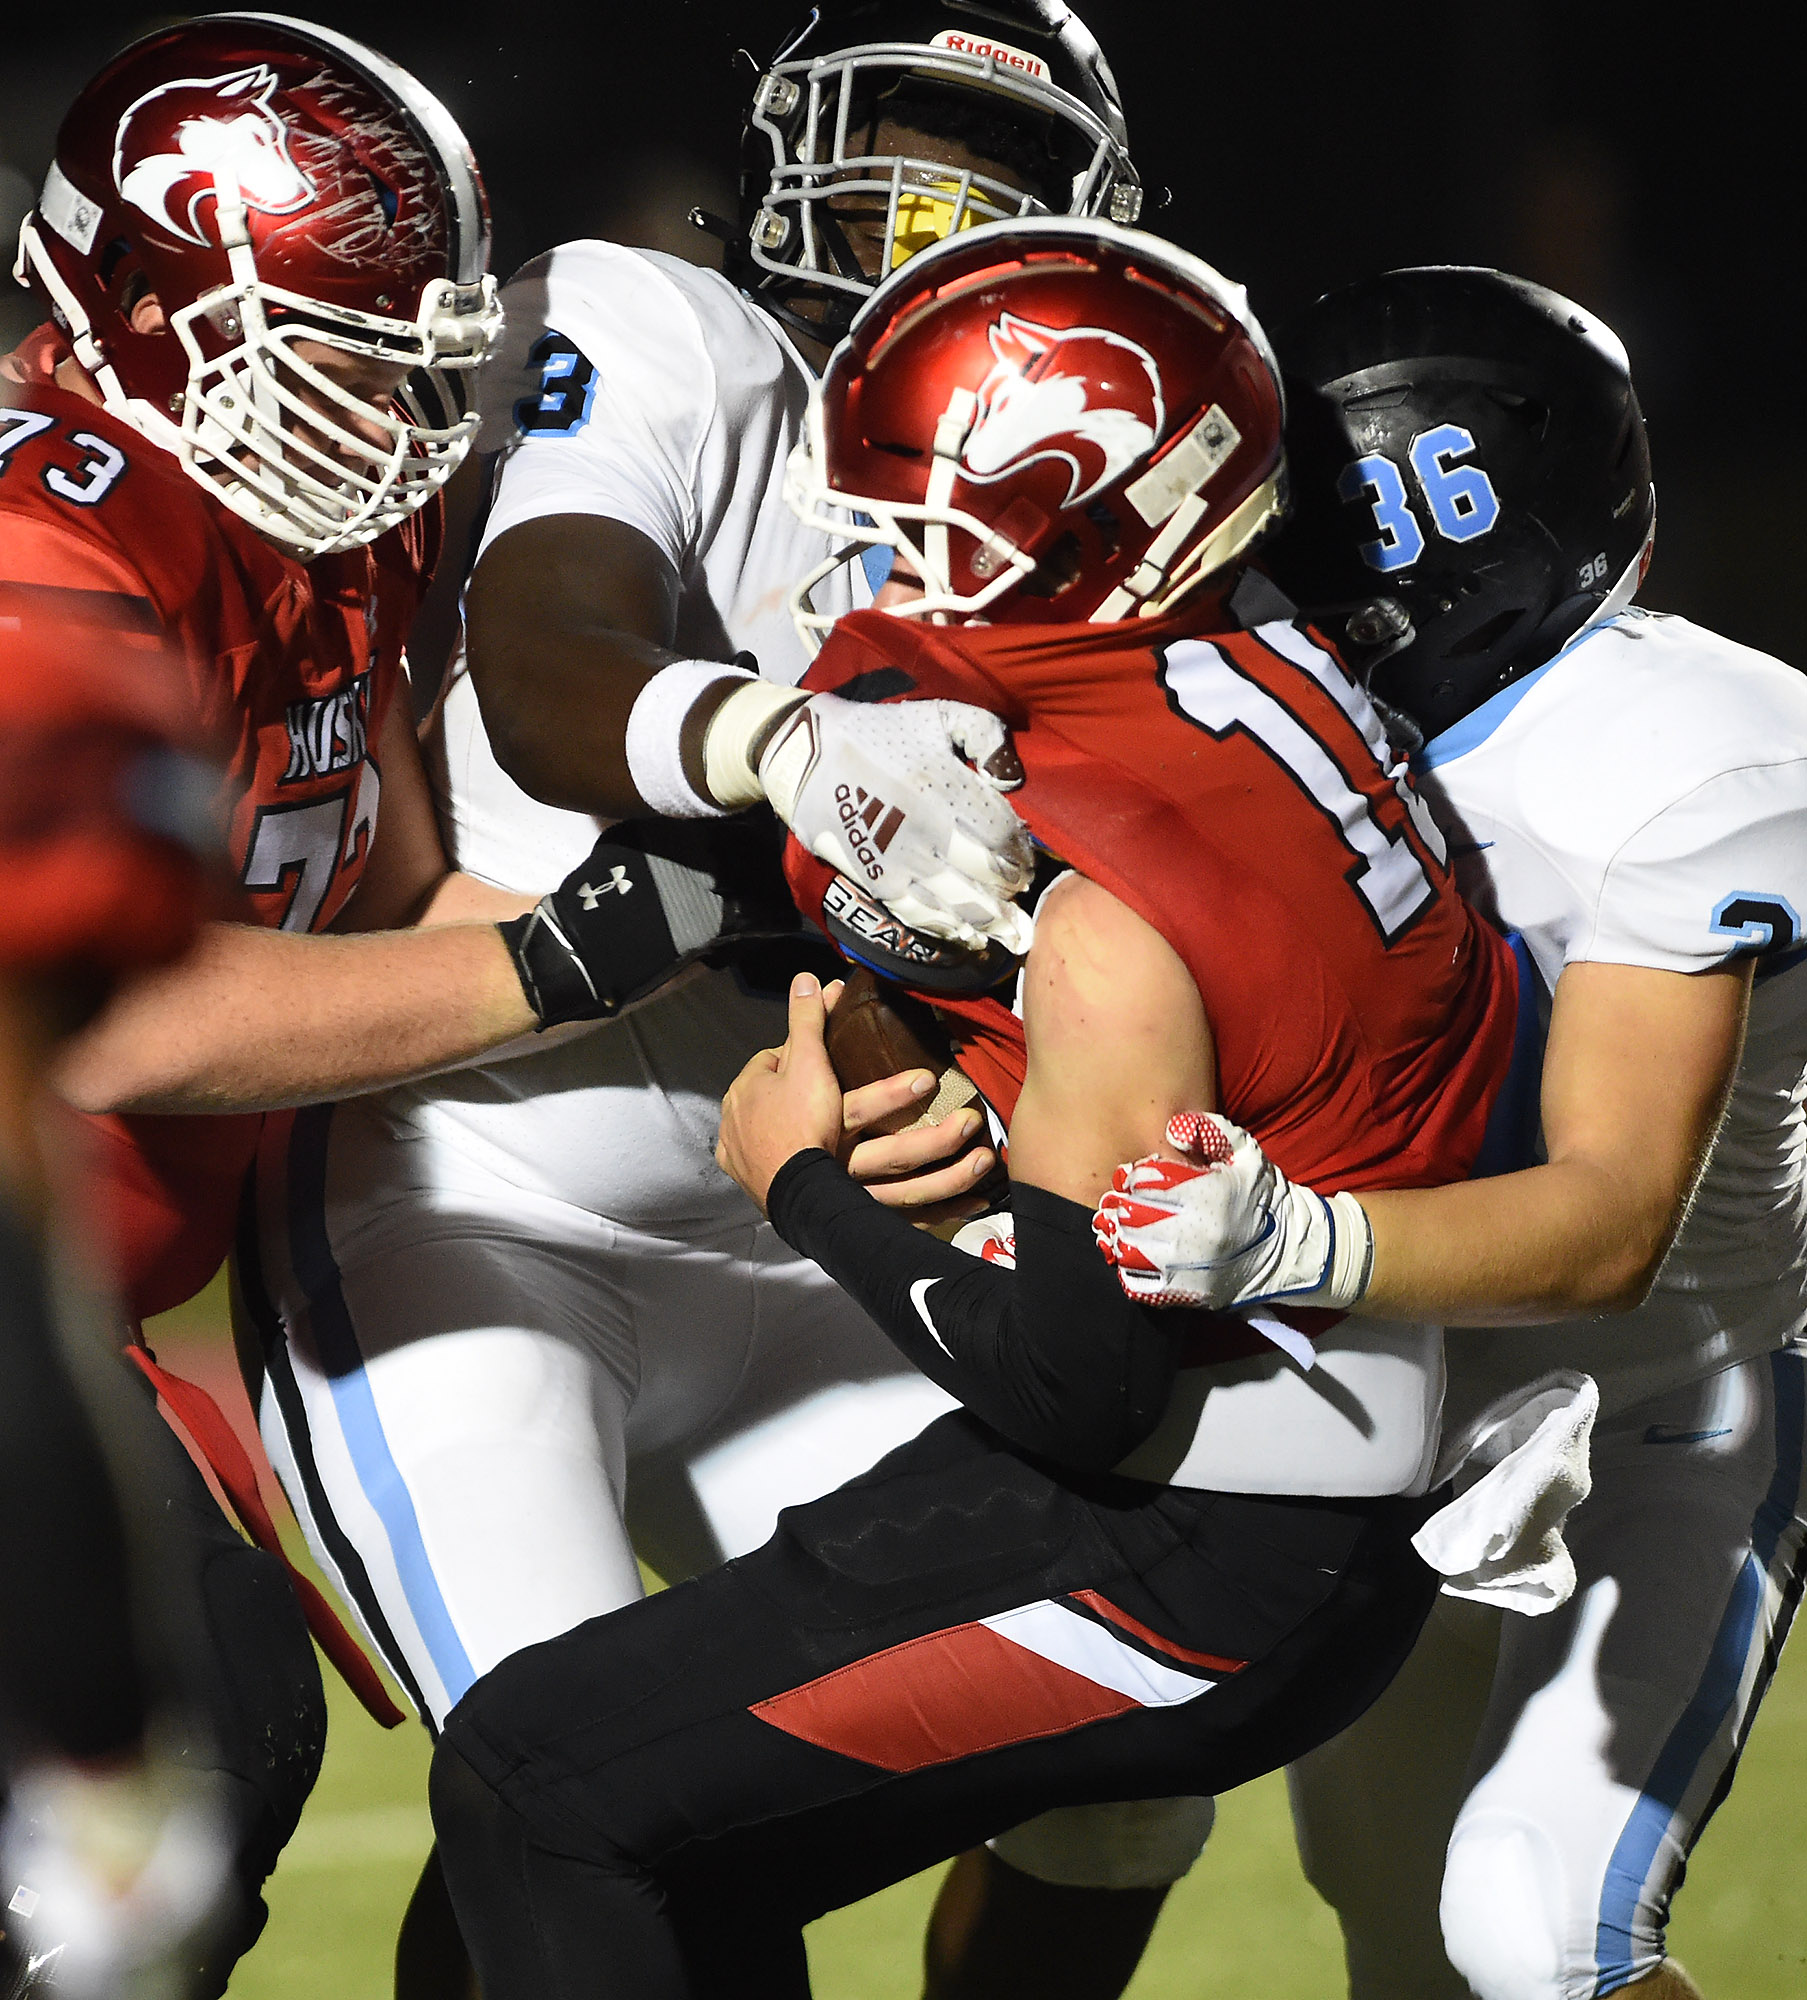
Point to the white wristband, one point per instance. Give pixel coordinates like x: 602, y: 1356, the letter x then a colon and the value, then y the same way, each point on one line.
x: 1352, y: 1254
x: 742, y: 720
x: 655, y: 735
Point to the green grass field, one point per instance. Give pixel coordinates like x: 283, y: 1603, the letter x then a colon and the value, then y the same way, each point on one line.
x: 1244, y: 1926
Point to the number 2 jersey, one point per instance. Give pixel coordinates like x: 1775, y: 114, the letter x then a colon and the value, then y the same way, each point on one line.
x: 1641, y: 800
x: 290, y: 671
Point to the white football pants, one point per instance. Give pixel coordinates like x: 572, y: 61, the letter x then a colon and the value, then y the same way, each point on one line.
x: 482, y: 1401
x: 1513, y: 1816
x: 469, y: 1388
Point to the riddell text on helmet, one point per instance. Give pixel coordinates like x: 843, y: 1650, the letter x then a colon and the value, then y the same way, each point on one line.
x: 1000, y: 52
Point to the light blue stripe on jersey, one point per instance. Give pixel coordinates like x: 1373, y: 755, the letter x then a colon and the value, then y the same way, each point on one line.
x: 1705, y: 1715
x: 336, y: 1341
x: 1480, y: 723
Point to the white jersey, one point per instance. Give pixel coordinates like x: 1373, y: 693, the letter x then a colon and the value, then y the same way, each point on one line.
x: 637, y: 387
x: 1642, y: 800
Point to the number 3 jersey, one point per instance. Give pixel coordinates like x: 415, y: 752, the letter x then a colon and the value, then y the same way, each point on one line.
x: 639, y: 389
x: 290, y: 671
x: 1642, y: 800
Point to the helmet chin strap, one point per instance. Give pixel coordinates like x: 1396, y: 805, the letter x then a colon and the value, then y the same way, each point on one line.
x: 1156, y: 584
x: 35, y: 262
x: 951, y: 432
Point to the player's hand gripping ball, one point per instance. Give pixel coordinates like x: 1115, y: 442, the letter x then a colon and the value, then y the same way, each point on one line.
x: 923, y: 1151
x: 791, y: 1099
x: 1223, y: 1227
x: 785, y: 1101
x: 907, y: 800
x: 871, y: 1038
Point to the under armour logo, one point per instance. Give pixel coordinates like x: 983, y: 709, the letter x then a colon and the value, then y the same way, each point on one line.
x: 616, y: 885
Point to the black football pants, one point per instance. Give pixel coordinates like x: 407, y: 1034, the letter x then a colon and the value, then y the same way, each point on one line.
x: 652, y: 1805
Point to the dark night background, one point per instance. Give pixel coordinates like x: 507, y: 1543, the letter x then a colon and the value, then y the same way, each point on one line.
x: 1651, y: 172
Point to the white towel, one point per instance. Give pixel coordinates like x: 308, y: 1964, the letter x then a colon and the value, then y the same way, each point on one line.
x: 1519, y: 1468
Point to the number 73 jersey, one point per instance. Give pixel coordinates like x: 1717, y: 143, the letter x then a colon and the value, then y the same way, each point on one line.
x: 290, y: 671
x: 1236, y: 789
x: 292, y: 668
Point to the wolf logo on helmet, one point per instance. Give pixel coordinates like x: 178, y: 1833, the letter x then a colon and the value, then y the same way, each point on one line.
x: 1016, y: 453
x: 349, y: 220
x: 1046, y: 399
x: 232, y: 130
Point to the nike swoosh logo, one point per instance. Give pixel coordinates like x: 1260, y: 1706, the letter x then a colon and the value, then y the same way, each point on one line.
x: 1668, y: 1434
x: 919, y: 1298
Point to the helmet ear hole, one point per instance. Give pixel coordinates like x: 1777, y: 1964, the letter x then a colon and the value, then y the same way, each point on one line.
x: 1485, y: 636
x: 1110, y: 528
x: 1058, y: 570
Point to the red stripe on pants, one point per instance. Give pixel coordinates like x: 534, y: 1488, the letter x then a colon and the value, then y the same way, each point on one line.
x: 929, y: 1701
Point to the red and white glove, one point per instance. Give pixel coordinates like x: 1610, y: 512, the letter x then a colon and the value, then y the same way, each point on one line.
x: 1225, y: 1228
x: 907, y: 799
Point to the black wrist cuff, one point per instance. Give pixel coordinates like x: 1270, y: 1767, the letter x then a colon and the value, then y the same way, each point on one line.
x: 552, y: 974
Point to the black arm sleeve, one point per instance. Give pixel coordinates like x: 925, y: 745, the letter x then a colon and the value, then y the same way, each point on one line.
x: 1052, y: 1354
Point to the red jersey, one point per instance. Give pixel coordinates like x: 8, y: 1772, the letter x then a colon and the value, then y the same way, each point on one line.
x: 103, y: 851
x: 289, y: 673
x: 1235, y: 789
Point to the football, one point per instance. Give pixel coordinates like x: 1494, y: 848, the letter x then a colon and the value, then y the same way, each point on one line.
x: 874, y: 1034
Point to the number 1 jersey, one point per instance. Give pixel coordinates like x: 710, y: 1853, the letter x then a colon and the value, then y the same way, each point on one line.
x: 1236, y: 789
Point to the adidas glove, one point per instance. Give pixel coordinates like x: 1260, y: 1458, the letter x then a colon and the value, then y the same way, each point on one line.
x: 906, y: 799
x: 653, y: 897
x: 1225, y: 1228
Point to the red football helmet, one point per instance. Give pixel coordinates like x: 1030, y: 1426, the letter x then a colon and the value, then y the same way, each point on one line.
x: 1052, y: 420
x: 275, y: 185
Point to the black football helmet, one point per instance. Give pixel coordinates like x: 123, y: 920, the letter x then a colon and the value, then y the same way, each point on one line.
x: 1021, y: 85
x: 1470, y: 481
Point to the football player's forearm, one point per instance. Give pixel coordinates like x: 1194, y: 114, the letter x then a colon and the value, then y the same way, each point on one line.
x: 1550, y: 1243
x: 1050, y: 1354
x: 1636, y: 1073
x: 458, y: 898
x: 566, y: 620
x: 257, y: 1020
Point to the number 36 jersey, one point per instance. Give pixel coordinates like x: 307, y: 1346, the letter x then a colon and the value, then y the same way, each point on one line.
x: 290, y: 670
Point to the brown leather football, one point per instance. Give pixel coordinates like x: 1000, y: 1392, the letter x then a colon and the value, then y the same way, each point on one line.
x: 871, y: 1036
